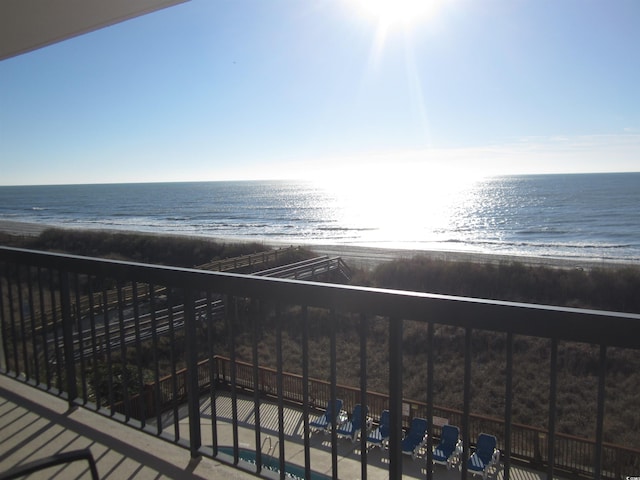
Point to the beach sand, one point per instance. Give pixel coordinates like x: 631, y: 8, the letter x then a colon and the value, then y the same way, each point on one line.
x: 362, y: 257
x: 22, y: 229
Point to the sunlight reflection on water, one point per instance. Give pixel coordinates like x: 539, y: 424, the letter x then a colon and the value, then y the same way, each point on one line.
x: 401, y: 209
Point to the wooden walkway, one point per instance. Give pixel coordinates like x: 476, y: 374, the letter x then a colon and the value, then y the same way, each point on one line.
x: 309, y: 269
x: 253, y: 261
x: 131, y: 329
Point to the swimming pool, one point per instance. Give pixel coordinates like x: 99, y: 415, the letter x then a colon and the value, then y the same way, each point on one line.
x: 272, y: 464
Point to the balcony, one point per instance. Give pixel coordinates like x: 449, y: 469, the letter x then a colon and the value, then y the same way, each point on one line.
x: 156, y: 348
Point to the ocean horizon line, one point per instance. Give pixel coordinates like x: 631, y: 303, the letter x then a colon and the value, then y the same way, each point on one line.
x: 301, y: 179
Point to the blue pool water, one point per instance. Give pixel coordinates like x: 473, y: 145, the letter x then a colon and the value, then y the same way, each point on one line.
x: 272, y: 463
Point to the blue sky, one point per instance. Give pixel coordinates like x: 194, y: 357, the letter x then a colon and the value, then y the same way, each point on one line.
x: 236, y: 89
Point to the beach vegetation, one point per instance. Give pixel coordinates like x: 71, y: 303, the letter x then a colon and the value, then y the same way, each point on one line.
x: 140, y: 247
x: 605, y: 288
x: 174, y: 250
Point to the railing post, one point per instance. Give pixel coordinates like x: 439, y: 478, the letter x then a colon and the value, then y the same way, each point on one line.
x: 466, y: 407
x: 363, y: 395
x: 280, y: 388
x: 430, y: 381
x: 12, y: 330
x: 67, y: 339
x: 553, y: 395
x: 333, y: 388
x: 213, y: 374
x: 508, y: 407
x: 193, y: 390
x: 232, y: 321
x: 600, y: 419
x: 395, y: 400
x: 305, y: 391
x: 3, y: 359
x: 257, y: 386
x: 123, y: 351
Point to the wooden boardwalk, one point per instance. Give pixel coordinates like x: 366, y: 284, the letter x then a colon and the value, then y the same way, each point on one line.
x: 130, y: 329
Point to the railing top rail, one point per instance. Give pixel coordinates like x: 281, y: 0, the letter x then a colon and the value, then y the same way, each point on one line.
x: 588, y: 326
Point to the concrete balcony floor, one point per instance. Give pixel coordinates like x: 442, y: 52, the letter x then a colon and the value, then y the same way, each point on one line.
x: 34, y: 425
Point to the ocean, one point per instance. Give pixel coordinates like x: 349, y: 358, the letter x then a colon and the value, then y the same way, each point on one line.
x: 586, y: 216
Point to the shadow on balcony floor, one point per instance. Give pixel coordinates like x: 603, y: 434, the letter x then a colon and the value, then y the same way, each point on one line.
x: 34, y: 425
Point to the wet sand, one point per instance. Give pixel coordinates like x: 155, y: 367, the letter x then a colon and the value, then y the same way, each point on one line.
x: 364, y: 257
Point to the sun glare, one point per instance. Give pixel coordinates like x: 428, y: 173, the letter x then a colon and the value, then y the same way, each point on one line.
x: 399, y: 13
x: 394, y: 202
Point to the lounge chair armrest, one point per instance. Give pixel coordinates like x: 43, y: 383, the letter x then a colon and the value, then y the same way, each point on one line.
x: 459, y: 448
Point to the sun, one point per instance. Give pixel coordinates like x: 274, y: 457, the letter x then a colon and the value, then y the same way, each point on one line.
x: 399, y: 13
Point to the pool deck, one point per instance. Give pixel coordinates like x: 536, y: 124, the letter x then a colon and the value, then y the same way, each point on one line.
x: 348, y: 452
x: 34, y: 424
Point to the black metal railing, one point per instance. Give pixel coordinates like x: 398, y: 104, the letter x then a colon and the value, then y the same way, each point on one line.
x: 103, y: 357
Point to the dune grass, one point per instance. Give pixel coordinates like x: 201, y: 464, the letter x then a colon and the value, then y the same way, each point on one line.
x: 608, y: 288
x: 139, y: 247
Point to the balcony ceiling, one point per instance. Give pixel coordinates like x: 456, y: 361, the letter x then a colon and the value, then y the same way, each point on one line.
x: 26, y: 25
